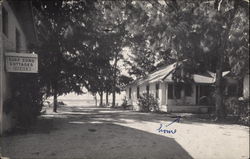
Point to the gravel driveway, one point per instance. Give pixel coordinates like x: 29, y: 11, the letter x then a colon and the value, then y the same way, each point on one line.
x: 103, y: 133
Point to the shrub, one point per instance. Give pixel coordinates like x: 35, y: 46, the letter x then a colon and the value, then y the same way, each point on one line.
x: 147, y: 103
x: 59, y: 103
x: 124, y: 104
x: 238, y: 108
x: 26, y: 101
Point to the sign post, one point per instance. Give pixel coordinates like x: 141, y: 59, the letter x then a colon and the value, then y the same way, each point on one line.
x: 21, y: 62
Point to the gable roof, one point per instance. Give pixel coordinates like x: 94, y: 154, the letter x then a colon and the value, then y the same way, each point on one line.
x: 165, y: 73
x: 159, y: 74
x: 154, y: 76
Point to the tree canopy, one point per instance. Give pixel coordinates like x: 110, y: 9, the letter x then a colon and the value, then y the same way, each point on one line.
x: 84, y: 40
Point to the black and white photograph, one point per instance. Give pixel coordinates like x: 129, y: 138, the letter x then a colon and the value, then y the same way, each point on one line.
x: 124, y: 79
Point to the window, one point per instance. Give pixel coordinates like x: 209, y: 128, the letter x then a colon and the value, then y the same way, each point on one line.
x: 138, y: 91
x: 5, y: 21
x: 129, y: 93
x: 147, y: 89
x: 170, y: 91
x: 177, y: 91
x: 157, y: 90
x: 174, y: 90
x: 188, y: 90
x: 18, y: 41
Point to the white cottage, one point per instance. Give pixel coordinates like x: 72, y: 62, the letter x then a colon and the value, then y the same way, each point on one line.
x: 173, y: 97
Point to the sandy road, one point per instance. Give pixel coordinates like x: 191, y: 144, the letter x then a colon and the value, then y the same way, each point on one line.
x: 102, y: 133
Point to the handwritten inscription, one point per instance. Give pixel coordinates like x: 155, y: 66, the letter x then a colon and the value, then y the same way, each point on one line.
x: 166, y: 130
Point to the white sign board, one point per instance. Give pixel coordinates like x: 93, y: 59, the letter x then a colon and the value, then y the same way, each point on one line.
x: 21, y: 62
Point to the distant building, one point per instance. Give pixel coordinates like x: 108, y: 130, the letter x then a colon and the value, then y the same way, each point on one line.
x: 17, y: 33
x: 173, y: 97
x: 235, y: 87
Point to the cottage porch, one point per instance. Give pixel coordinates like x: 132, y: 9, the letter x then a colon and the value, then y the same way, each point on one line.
x: 186, y: 108
x: 182, y: 96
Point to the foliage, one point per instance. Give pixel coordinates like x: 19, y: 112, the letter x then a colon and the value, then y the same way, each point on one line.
x: 79, y: 52
x: 177, y: 30
x: 85, y: 41
x: 213, y: 35
x: 27, y: 100
x: 56, y: 25
x: 238, y: 108
x: 147, y: 102
x: 125, y: 104
x: 111, y: 25
x: 124, y: 80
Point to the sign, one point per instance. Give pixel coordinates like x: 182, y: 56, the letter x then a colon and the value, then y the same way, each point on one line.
x: 21, y: 62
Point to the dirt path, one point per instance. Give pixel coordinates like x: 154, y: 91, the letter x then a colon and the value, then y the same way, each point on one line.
x: 99, y: 133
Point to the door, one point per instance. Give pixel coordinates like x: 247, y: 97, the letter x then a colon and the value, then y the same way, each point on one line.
x: 202, y: 94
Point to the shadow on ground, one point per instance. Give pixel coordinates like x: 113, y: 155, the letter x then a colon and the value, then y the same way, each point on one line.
x: 92, y: 141
x: 104, y: 133
x: 92, y: 114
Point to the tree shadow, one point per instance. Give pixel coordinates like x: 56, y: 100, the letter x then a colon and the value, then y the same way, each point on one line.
x: 91, y: 131
x: 93, y: 113
x: 94, y: 141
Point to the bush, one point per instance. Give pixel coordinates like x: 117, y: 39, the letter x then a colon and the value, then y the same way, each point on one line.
x: 59, y: 103
x: 124, y: 103
x: 238, y: 108
x: 26, y: 101
x: 147, y: 103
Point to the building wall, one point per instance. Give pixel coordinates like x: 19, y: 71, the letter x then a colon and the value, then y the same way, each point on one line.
x: 134, y: 98
x: 184, y: 104
x: 143, y: 89
x: 1, y: 72
x: 8, y: 44
x: 246, y: 87
x: 10, y: 40
x: 152, y: 89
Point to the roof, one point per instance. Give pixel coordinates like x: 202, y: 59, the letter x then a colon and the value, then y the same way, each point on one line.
x: 203, y: 79
x: 165, y: 73
x: 214, y: 74
x: 158, y: 75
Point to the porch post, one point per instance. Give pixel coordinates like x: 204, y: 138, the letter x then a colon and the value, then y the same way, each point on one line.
x: 197, y: 94
x: 166, y: 96
x: 163, y: 93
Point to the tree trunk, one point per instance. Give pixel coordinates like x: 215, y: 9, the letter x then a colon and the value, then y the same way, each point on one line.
x: 113, y: 99
x: 101, y: 98
x: 219, y: 105
x: 107, y: 98
x: 55, y: 98
x: 95, y: 100
x: 114, y: 80
x: 220, y: 110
